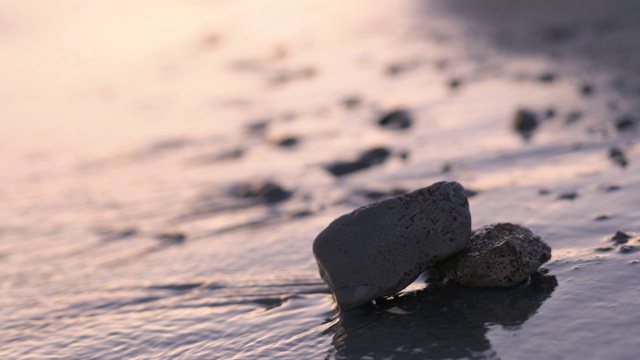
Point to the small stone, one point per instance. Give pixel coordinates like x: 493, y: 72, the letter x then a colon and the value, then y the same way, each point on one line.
x: 626, y: 249
x: 618, y: 157
x: 573, y: 116
x: 258, y: 127
x: 287, y: 141
x: 267, y: 193
x: 625, y: 123
x: 498, y: 255
x: 366, y: 160
x: 351, y: 102
x: 572, y: 195
x: 455, y: 83
x: 547, y: 77
x: 379, y: 249
x: 172, y: 238
x: 396, y: 120
x: 550, y: 113
x: 620, y: 237
x: 586, y: 89
x: 525, y: 122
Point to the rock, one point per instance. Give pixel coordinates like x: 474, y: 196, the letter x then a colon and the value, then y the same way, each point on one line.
x: 379, y: 249
x: 625, y: 123
x: 525, y: 122
x: 396, y: 120
x: 497, y: 255
x: 620, y: 237
x: 267, y: 193
x: 573, y: 117
x: 287, y: 141
x: 172, y: 237
x: 586, y: 89
x: 351, y: 102
x: 547, y: 77
x: 618, y: 157
x: 571, y: 195
x: 366, y: 160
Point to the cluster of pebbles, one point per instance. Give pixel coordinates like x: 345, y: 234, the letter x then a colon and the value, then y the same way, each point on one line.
x: 379, y: 249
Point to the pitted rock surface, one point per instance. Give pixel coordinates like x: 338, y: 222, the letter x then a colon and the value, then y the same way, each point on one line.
x: 497, y: 255
x: 379, y: 249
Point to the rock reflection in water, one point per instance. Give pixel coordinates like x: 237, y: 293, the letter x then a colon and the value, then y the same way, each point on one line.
x: 439, y: 322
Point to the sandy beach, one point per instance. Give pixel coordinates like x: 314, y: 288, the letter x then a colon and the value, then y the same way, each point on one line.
x: 166, y: 165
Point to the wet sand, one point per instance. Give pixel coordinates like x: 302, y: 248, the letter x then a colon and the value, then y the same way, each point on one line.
x: 167, y: 165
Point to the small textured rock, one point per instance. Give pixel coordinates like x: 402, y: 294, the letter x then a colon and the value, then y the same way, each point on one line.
x: 525, y: 122
x: 498, y: 255
x: 367, y: 159
x: 379, y: 249
x: 396, y: 120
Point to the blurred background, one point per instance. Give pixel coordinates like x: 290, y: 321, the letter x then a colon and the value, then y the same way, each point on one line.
x: 165, y: 166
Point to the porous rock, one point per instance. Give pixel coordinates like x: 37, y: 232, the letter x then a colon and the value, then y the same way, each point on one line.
x: 379, y: 249
x: 497, y: 255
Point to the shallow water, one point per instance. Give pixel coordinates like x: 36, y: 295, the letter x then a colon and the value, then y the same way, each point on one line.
x: 133, y: 137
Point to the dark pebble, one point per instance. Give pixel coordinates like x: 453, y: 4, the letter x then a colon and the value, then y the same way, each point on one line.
x: 620, y: 237
x: 258, y: 127
x: 586, y: 89
x: 604, y: 248
x: 573, y: 117
x: 547, y: 77
x: 267, y: 193
x: 173, y: 238
x: 300, y: 214
x: 455, y: 83
x: 618, y: 157
x: 288, y: 141
x: 626, y: 249
x: 610, y: 187
x: 568, y: 196
x: 396, y: 120
x: 602, y: 217
x: 525, y: 122
x: 351, y: 102
x: 366, y: 160
x: 625, y: 123
x: 550, y: 113
x: 446, y: 168
x: 543, y: 192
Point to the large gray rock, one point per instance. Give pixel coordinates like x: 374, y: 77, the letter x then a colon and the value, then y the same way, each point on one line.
x: 497, y: 255
x: 379, y: 249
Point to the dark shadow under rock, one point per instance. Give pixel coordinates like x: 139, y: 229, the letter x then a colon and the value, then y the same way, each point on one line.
x: 367, y: 159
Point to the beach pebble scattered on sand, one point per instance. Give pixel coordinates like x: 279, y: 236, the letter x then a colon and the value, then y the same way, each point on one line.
x: 379, y: 249
x: 263, y: 192
x: 367, y: 159
x: 396, y: 120
x: 525, y: 122
x: 497, y: 255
